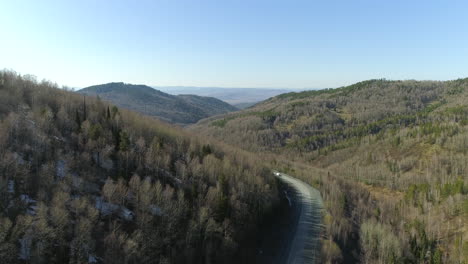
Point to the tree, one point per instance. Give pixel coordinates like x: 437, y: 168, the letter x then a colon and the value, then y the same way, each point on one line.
x: 43, y: 250
x: 125, y: 147
x: 8, y: 251
x: 134, y: 188
x: 124, y: 141
x: 109, y: 191
x: 379, y: 244
x: 120, y: 247
x: 115, y: 111
x: 121, y: 192
x: 108, y: 114
x: 59, y: 221
x: 84, y: 108
x: 83, y: 244
x: 206, y: 150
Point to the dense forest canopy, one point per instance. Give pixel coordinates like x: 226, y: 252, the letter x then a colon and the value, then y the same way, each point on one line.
x: 389, y: 158
x: 318, y: 119
x: 82, y: 180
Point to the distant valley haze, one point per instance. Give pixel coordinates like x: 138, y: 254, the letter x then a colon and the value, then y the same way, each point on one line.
x: 239, y: 97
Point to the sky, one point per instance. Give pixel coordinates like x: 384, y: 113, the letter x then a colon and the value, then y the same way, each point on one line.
x: 238, y: 43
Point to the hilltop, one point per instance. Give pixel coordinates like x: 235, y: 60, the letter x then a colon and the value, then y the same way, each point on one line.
x: 180, y: 109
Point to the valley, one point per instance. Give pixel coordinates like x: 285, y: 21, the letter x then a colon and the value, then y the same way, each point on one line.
x: 251, y: 132
x: 387, y: 157
x: 239, y: 97
x: 386, y: 176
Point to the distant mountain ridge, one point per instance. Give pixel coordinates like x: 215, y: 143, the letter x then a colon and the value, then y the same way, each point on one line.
x: 239, y: 97
x: 181, y: 109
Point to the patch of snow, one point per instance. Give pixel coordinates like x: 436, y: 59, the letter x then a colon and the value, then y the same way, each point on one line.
x: 109, y: 208
x: 76, y: 180
x: 30, y: 203
x: 126, y: 214
x: 104, y: 163
x: 26, y: 199
x: 155, y: 210
x: 79, y: 183
x: 11, y: 186
x: 31, y: 210
x: 19, y: 159
x: 92, y: 259
x: 58, y: 139
x: 10, y: 204
x: 61, y: 169
x: 177, y: 180
x: 107, y: 164
x: 25, y: 248
x: 104, y: 207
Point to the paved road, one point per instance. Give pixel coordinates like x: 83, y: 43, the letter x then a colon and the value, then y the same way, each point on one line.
x: 304, y: 244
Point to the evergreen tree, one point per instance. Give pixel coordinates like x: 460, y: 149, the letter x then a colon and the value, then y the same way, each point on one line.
x: 108, y: 114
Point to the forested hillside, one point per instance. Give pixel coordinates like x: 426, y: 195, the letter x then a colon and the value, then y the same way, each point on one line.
x: 388, y: 156
x: 181, y: 109
x: 83, y: 181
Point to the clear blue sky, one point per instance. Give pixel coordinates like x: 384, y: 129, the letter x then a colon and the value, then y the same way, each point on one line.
x: 296, y: 44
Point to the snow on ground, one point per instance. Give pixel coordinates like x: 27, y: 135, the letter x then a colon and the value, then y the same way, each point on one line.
x: 104, y: 163
x: 92, y: 259
x: 126, y: 214
x: 61, y: 169
x: 76, y: 180
x: 25, y: 248
x: 19, y: 159
x: 31, y: 210
x: 107, y: 164
x: 104, y: 207
x: 11, y: 187
x: 109, y: 208
x: 30, y: 203
x: 156, y: 210
x: 26, y: 199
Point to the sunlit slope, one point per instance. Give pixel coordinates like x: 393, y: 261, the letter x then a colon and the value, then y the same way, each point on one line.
x: 394, y: 155
x: 83, y: 180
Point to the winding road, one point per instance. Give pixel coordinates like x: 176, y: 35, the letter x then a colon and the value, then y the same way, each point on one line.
x: 304, y: 242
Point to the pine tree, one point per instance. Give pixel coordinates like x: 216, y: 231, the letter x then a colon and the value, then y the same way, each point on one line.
x: 78, y: 119
x: 108, y: 114
x: 124, y: 141
x: 84, y: 107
